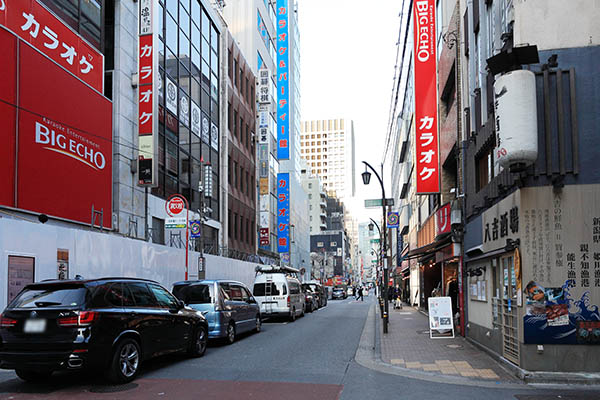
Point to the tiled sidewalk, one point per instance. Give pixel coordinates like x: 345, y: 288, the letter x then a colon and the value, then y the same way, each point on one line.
x: 408, y: 345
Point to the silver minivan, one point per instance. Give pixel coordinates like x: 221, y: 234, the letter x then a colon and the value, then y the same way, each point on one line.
x: 228, y: 306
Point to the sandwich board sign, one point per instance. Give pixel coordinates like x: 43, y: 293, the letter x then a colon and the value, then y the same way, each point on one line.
x: 440, y: 318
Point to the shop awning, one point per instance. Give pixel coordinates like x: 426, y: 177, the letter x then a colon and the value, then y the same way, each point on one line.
x: 430, y: 248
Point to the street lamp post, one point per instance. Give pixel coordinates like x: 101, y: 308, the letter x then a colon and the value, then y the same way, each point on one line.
x: 379, y: 255
x: 366, y: 177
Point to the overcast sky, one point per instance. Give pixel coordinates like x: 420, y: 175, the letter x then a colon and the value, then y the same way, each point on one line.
x: 348, y: 53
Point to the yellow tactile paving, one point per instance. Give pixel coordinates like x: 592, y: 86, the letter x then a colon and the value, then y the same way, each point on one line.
x: 414, y: 364
x: 449, y: 371
x: 444, y: 362
x: 430, y: 367
x: 461, y: 364
x: 396, y: 361
x: 487, y: 373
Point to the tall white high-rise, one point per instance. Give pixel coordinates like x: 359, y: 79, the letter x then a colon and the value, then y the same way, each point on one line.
x: 328, y: 147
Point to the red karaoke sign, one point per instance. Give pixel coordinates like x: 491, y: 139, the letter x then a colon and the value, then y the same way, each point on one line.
x: 426, y: 122
x: 35, y: 24
x: 60, y: 163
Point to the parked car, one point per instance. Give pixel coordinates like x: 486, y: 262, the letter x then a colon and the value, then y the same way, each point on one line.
x: 228, y: 306
x: 338, y: 293
x: 321, y: 292
x: 109, y: 324
x: 310, y: 298
x: 278, y: 292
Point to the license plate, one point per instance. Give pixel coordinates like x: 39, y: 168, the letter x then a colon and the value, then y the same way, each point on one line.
x: 34, y: 326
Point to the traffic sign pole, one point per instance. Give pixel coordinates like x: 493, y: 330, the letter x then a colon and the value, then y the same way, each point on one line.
x: 174, y: 206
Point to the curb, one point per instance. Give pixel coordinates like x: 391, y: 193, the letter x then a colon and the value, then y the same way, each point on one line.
x: 368, y: 355
x: 541, y: 377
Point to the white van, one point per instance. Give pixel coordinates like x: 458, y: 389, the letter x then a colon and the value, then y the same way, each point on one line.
x: 278, y: 292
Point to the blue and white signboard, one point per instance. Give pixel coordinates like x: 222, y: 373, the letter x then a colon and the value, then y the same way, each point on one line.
x: 283, y: 96
x: 283, y: 213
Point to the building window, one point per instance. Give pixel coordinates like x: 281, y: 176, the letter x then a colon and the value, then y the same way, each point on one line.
x: 158, y: 230
x: 235, y: 72
x: 189, y: 50
x: 484, y: 168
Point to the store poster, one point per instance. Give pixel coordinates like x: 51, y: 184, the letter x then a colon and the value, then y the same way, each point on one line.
x: 560, y: 256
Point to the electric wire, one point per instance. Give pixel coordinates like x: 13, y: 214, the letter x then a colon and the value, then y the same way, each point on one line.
x: 397, y: 84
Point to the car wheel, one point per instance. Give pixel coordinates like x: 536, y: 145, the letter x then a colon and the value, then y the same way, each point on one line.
x: 293, y: 315
x: 125, y: 363
x: 230, y: 333
x: 198, y: 342
x: 33, y: 376
x: 258, y: 326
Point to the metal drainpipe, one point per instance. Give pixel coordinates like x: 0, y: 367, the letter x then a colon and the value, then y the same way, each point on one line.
x: 462, y: 302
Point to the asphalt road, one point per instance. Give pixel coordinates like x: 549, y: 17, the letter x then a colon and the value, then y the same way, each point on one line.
x: 312, y: 358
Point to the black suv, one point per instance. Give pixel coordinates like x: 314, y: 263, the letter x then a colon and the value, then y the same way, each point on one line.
x: 110, y: 324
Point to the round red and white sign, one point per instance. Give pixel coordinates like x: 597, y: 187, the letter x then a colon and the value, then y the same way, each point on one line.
x: 175, y: 206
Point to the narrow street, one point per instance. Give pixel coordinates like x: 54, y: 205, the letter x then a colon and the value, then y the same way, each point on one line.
x: 319, y: 356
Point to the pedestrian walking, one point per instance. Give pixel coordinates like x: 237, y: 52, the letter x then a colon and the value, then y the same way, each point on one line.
x: 398, y: 303
x: 360, y: 294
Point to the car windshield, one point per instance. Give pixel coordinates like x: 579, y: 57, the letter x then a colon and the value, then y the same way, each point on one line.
x: 308, y: 288
x: 195, y: 294
x: 50, y: 296
x: 268, y: 289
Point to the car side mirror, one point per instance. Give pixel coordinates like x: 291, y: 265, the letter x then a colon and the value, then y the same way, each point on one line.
x: 251, y: 300
x: 180, y: 304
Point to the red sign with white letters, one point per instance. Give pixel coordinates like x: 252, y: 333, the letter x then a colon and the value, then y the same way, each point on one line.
x: 60, y: 163
x: 148, y: 81
x: 264, y: 236
x: 442, y: 219
x: 37, y: 25
x: 426, y: 121
x: 146, y: 109
x: 175, y: 206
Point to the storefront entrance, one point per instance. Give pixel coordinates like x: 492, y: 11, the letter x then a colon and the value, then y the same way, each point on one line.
x: 507, y: 309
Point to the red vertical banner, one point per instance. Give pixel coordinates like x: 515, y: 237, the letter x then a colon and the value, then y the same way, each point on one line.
x: 426, y: 120
x: 147, y: 93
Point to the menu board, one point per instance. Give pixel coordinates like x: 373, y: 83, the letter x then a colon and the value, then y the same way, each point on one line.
x: 440, y: 317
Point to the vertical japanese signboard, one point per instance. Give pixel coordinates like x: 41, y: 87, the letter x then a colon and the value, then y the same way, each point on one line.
x: 283, y: 97
x: 428, y: 177
x: 264, y: 119
x: 283, y: 213
x: 39, y: 27
x: 148, y: 94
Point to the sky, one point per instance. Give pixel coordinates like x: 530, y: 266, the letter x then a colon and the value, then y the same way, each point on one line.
x: 347, y: 59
